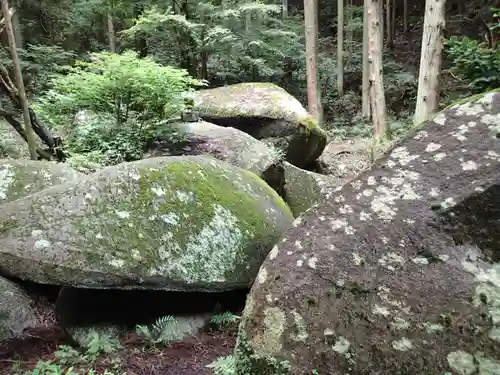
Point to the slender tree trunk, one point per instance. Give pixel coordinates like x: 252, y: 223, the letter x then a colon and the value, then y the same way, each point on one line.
x: 388, y: 24
x: 430, y: 60
x: 285, y: 9
x: 340, y: 47
x: 405, y: 15
x: 311, y: 30
x: 377, y: 96
x: 111, y: 33
x: 393, y: 22
x: 16, y: 25
x: 350, y: 32
x: 19, y: 81
x: 365, y: 92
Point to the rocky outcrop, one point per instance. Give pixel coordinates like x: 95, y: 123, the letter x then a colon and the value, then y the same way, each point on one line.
x: 266, y: 112
x: 173, y: 223
x: 16, y: 312
x: 398, y: 273
x: 19, y: 178
x: 223, y: 143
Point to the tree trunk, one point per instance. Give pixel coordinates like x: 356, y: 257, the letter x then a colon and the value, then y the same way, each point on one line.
x: 311, y: 30
x: 340, y: 47
x: 405, y: 15
x: 19, y: 80
x: 285, y: 9
x: 430, y: 60
x: 16, y: 25
x: 377, y: 98
x: 388, y: 24
x: 365, y: 92
x: 111, y: 33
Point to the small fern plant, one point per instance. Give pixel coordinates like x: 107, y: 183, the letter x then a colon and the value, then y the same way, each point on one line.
x: 224, y: 319
x: 163, y: 331
x: 223, y: 366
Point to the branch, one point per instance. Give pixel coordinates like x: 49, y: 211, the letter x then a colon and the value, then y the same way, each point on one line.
x: 10, y: 117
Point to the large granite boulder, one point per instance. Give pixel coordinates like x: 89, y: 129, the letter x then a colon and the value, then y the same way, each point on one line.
x: 303, y: 188
x: 223, y: 143
x: 16, y: 312
x: 266, y: 112
x: 19, y: 178
x: 173, y: 223
x: 398, y: 273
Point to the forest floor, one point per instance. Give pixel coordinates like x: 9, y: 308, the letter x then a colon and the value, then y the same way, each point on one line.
x: 20, y: 356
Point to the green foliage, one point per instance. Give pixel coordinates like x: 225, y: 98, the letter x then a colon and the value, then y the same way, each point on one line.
x: 224, y: 319
x: 68, y: 361
x: 223, y: 366
x: 474, y: 62
x: 163, y: 331
x: 119, y: 84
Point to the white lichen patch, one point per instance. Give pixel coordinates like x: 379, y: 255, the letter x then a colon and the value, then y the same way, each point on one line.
x: 432, y: 147
x: 439, y: 156
x: 402, y: 345
x: 440, y: 119
x: 391, y: 261
x: 380, y: 310
x: 42, y: 244
x: 461, y: 362
x: 123, y: 214
x: 6, y: 179
x: 420, y: 260
x: 432, y: 327
x: 448, y: 203
x: 312, y: 262
x: 208, y: 254
x: 338, y: 224
x: 399, y: 187
x: 270, y: 342
x: 402, y: 155
x: 274, y: 252
x: 262, y: 276
x: 469, y: 166
x: 400, y: 323
x: 300, y: 326
x: 341, y: 345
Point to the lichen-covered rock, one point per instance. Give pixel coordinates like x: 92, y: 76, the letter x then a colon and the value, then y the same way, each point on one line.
x: 12, y: 145
x: 173, y: 223
x: 223, y: 143
x: 19, y: 178
x: 16, y: 312
x: 398, y: 273
x: 303, y: 188
x: 345, y: 160
x: 266, y: 112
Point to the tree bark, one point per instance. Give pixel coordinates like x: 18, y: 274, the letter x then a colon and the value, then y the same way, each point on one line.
x: 311, y: 30
x: 377, y: 96
x: 340, y: 47
x: 19, y: 81
x: 430, y: 60
x: 405, y: 15
x: 111, y: 33
x: 365, y: 91
x: 388, y: 24
x: 285, y: 9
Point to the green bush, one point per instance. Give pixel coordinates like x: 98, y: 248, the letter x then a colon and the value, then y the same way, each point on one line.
x: 128, y: 94
x: 474, y: 62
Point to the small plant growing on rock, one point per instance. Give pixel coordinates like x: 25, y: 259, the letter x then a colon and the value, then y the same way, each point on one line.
x: 224, y: 319
x: 163, y: 331
x: 223, y: 366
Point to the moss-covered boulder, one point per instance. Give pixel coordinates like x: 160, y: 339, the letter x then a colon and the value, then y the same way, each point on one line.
x: 223, y: 143
x: 173, y: 223
x: 266, y: 112
x: 16, y: 311
x: 398, y: 273
x: 19, y: 178
x: 303, y: 189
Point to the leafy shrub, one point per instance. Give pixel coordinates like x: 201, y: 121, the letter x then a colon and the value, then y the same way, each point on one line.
x: 129, y: 94
x: 119, y: 84
x: 474, y: 62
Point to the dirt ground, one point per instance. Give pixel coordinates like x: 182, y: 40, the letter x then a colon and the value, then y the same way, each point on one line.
x: 188, y: 357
